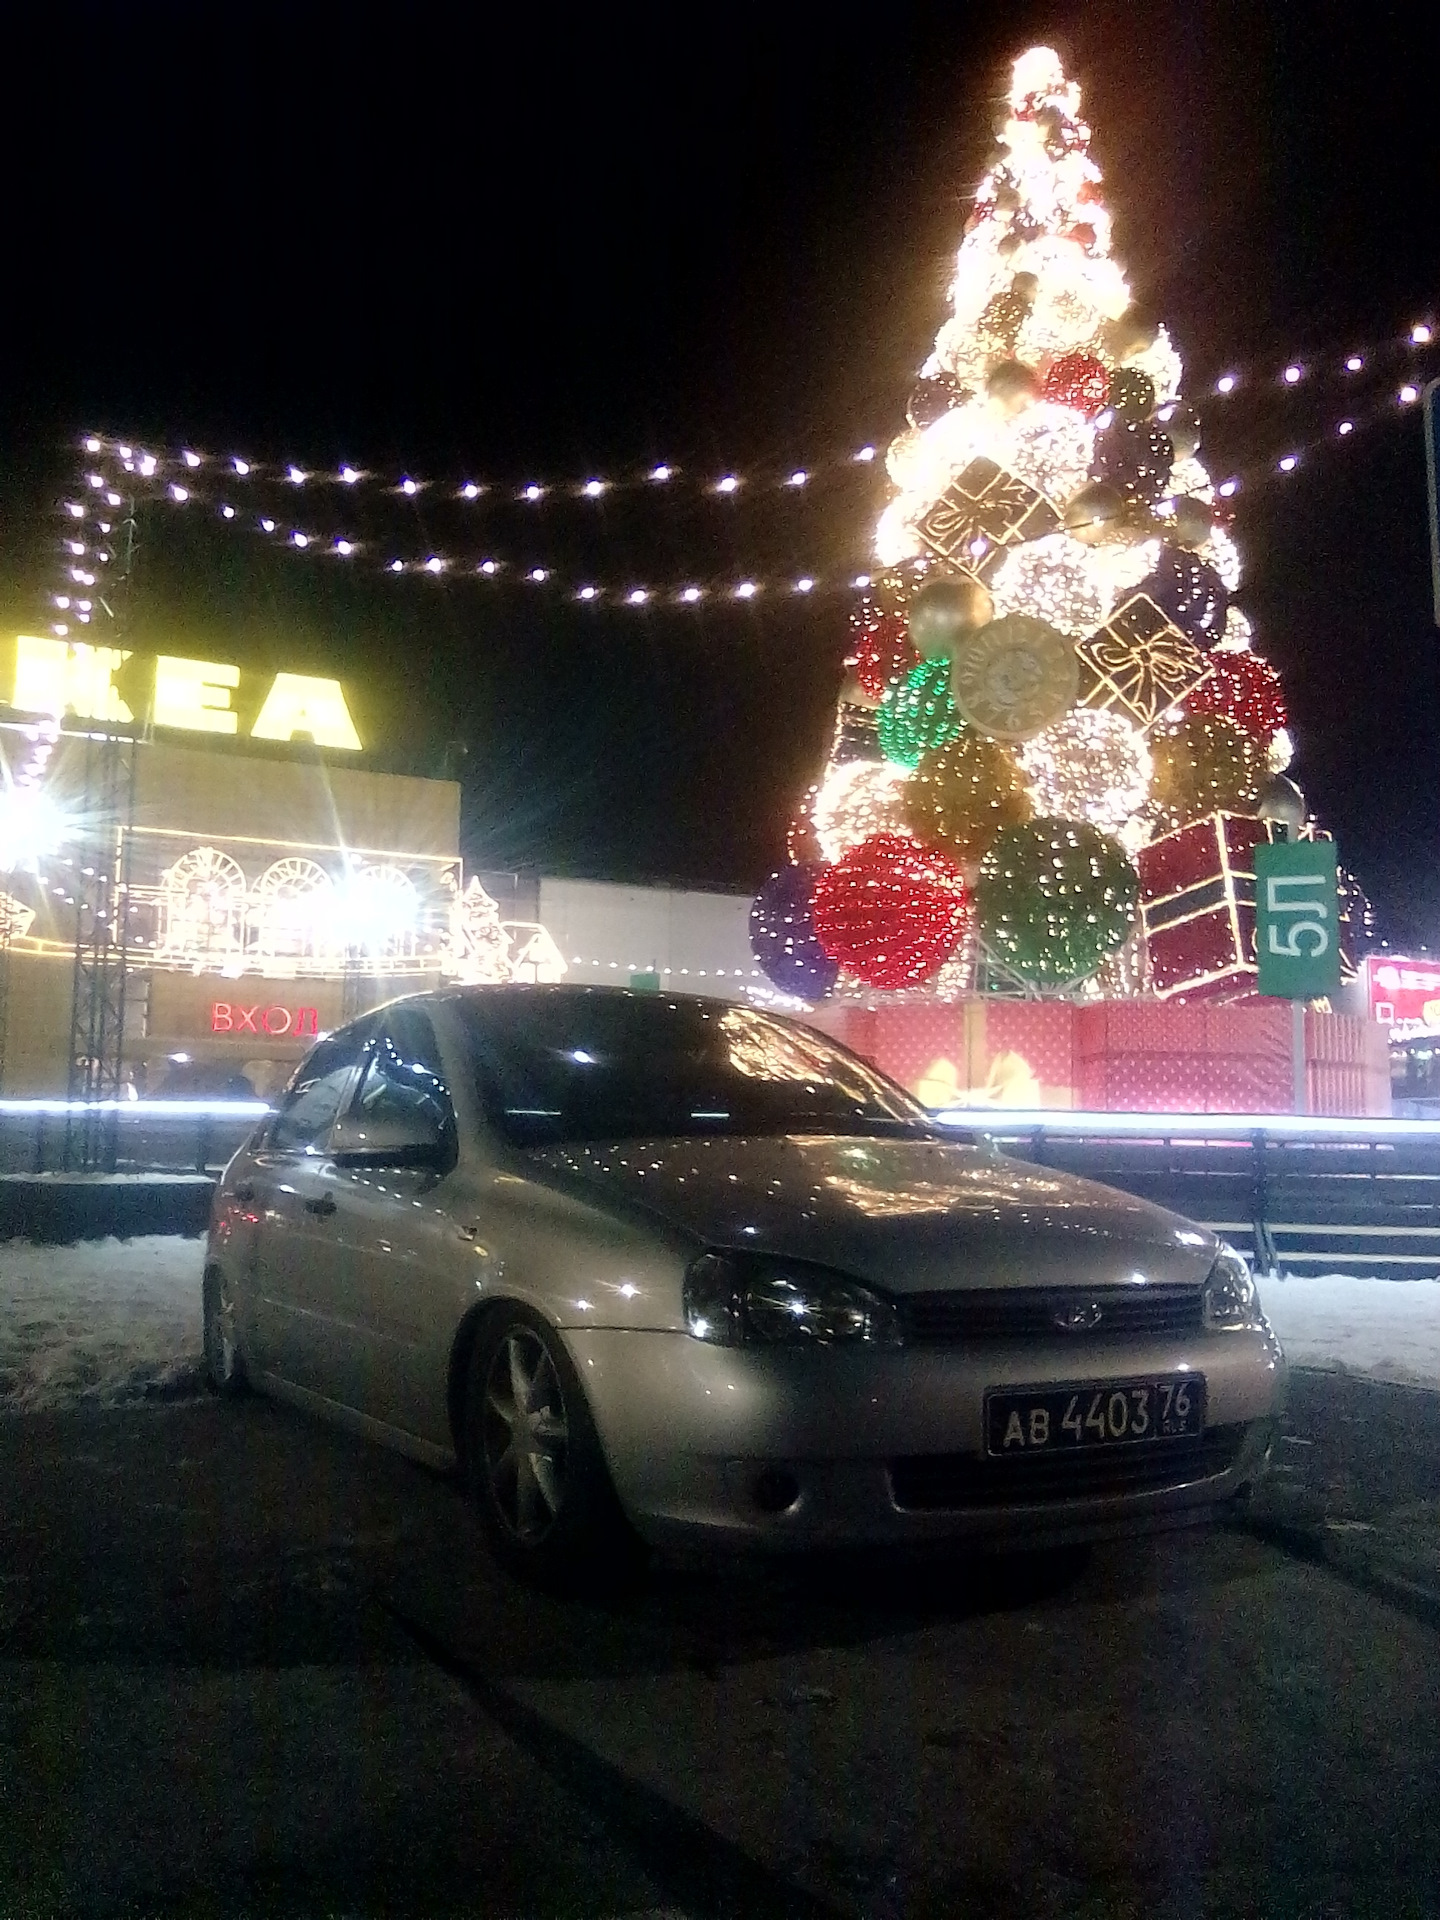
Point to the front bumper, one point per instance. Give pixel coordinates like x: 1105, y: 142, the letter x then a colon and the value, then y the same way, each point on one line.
x: 882, y: 1447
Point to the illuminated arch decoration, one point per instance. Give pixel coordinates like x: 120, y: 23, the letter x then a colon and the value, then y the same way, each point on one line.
x: 202, y: 908
x: 292, y: 912
x: 378, y: 914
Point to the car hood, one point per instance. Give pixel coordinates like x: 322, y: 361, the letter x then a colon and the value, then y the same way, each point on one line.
x: 908, y: 1215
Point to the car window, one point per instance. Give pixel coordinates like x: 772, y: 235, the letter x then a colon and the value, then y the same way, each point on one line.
x: 405, y: 1076
x: 312, y: 1099
x: 555, y: 1064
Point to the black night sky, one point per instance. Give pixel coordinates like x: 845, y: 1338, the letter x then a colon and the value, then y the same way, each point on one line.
x: 552, y: 242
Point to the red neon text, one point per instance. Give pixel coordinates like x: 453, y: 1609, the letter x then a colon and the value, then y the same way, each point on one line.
x: 227, y: 1017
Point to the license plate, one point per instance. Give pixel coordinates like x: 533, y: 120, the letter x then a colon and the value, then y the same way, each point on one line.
x: 1114, y: 1413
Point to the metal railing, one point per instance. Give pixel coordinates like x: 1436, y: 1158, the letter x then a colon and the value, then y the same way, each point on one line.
x: 1298, y: 1193
x: 148, y: 1136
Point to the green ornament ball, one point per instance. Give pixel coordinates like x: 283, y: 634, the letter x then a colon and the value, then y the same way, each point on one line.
x: 917, y: 714
x: 1054, y: 898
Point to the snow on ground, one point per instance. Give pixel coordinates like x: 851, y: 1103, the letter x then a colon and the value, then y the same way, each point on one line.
x: 111, y: 1321
x: 99, y: 1323
x: 1385, y: 1329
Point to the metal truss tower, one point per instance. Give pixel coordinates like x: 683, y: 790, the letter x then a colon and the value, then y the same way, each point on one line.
x: 105, y: 805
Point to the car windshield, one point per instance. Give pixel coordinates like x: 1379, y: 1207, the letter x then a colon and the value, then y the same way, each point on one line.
x: 562, y: 1065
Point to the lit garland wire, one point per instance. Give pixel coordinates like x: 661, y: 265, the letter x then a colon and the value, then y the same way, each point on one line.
x: 663, y: 478
x: 100, y: 502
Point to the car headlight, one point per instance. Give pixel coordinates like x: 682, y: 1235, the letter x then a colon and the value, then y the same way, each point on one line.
x: 733, y: 1300
x: 1230, y: 1296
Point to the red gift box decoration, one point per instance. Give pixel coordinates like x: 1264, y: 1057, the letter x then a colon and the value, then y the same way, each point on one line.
x: 1197, y: 894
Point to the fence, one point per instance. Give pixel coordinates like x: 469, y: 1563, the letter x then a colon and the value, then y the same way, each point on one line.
x: 1302, y: 1195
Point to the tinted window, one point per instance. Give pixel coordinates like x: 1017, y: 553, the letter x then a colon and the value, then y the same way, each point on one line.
x: 556, y: 1064
x: 405, y: 1078
x: 312, y: 1099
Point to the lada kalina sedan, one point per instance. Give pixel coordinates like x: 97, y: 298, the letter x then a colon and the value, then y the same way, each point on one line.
x: 647, y: 1265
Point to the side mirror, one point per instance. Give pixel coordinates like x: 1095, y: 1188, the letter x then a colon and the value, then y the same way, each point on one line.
x: 389, y: 1140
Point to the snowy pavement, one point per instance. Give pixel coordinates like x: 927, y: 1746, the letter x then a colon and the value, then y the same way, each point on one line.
x: 99, y: 1323
x: 108, y: 1322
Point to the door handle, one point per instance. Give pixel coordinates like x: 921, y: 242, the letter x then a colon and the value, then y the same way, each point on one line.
x: 323, y: 1205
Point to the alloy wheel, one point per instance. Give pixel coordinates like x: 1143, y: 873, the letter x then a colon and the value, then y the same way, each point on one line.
x: 526, y: 1435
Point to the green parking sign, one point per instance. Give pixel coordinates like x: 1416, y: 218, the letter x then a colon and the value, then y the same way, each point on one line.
x: 1297, y: 932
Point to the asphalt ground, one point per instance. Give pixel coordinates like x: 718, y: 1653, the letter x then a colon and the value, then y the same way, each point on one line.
x: 249, y: 1666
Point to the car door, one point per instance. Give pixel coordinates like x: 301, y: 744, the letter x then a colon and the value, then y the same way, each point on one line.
x: 396, y: 1246
x: 289, y: 1184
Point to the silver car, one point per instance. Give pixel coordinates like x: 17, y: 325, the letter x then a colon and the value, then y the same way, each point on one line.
x: 668, y: 1267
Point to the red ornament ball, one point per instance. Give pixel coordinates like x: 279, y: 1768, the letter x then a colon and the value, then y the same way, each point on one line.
x: 880, y: 650
x: 1243, y: 688
x: 891, y: 912
x: 1077, y: 380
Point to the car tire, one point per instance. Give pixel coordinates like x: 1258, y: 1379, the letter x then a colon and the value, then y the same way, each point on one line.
x: 533, y: 1461
x: 224, y: 1362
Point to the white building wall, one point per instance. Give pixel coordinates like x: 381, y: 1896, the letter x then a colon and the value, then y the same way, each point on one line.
x: 696, y: 942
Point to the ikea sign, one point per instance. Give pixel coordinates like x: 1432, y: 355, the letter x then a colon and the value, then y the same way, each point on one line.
x: 200, y: 696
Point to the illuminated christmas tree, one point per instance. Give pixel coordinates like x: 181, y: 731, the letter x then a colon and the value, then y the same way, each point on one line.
x: 1048, y: 674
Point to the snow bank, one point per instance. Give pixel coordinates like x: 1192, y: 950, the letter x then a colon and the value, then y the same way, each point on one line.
x: 99, y: 1323
x: 1385, y: 1329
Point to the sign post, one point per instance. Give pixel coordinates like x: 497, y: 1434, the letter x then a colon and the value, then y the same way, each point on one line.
x: 1432, y: 469
x: 1297, y: 933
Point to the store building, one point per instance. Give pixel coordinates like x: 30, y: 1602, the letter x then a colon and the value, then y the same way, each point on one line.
x: 269, y: 884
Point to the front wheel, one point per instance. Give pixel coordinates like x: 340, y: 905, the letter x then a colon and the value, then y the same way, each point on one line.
x: 224, y: 1364
x: 533, y: 1458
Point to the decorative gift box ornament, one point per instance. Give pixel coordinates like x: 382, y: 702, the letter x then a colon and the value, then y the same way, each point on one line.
x: 1197, y: 903
x: 982, y: 514
x: 1139, y: 662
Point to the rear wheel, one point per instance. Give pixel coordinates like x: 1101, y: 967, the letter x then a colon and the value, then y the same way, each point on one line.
x: 533, y: 1458
x: 224, y: 1363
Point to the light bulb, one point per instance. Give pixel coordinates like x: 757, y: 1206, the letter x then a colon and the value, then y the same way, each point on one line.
x: 587, y: 593
x: 593, y: 489
x: 1345, y: 426
x: 345, y: 547
x: 690, y: 594
x: 661, y: 472
x: 397, y: 566
x: 1420, y: 334
x: 178, y: 492
x: 636, y: 597
x: 469, y: 491
x: 1354, y: 363
x: 435, y: 564
x: 865, y: 455
x: 538, y: 575
x: 1227, y: 383
x: 190, y: 459
x: 1408, y: 395
x: 804, y: 584
x: 301, y: 539
x: 268, y: 525
x: 241, y: 466
x: 227, y: 513
x: 350, y: 475
x: 489, y: 566
x: 1293, y: 374
x: 407, y: 485
x: 746, y: 590
x: 1288, y: 462
x: 798, y: 478
x: 729, y: 484
x: 532, y: 492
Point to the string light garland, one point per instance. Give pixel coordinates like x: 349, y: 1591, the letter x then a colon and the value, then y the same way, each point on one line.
x: 90, y: 514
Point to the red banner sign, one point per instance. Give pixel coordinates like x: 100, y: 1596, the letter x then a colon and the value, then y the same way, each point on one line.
x: 1404, y: 994
x: 228, y: 1016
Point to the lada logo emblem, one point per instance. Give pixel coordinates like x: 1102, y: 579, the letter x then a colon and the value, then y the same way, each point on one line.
x: 1078, y: 1316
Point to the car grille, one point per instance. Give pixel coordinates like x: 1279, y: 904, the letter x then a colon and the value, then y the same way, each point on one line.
x: 1011, y: 1313
x: 934, y: 1481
